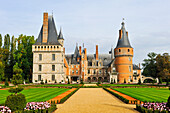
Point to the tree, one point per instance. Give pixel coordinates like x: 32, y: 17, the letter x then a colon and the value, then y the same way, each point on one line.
x: 0, y: 41
x: 150, y: 65
x: 163, y: 65
x: 1, y: 71
x: 17, y: 77
x: 124, y: 80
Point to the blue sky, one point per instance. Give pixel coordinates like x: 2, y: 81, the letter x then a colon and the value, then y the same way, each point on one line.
x: 94, y: 22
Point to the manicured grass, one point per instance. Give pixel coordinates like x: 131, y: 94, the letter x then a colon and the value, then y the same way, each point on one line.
x: 146, y: 94
x: 125, y: 85
x: 35, y: 94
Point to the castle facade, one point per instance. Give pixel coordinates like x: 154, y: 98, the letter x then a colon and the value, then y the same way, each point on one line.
x: 51, y: 64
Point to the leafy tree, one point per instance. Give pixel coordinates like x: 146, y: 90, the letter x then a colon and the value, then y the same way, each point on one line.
x: 0, y: 41
x: 1, y: 71
x: 17, y: 77
x: 163, y: 65
x: 150, y: 65
x: 168, y: 103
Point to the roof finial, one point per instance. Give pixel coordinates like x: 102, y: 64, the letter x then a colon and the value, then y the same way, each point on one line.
x: 76, y: 44
x: 52, y: 12
x: 123, y: 23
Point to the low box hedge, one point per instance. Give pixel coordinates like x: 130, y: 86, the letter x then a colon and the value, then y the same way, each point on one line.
x: 118, y: 96
x: 66, y: 97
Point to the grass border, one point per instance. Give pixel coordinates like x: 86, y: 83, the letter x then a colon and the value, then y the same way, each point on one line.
x: 118, y: 96
x: 68, y: 96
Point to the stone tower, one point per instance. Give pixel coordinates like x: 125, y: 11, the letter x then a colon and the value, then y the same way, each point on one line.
x: 123, y: 57
x: 48, y: 54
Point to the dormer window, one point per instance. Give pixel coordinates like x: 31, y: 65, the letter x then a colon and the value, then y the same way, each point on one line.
x: 128, y: 50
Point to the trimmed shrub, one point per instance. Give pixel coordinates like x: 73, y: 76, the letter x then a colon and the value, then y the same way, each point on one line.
x: 81, y: 82
x: 46, y: 81
x: 16, y: 102
x: 68, y: 81
x: 66, y: 97
x: 118, y: 96
x: 111, y: 81
x: 124, y: 80
x: 114, y: 81
x: 160, y: 80
x: 168, y: 103
x: 15, y: 90
x: 6, y: 82
x: 42, y: 82
x: 139, y: 81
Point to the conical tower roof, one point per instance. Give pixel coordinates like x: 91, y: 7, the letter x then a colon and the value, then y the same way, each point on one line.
x: 60, y: 36
x: 52, y: 34
x: 123, y: 40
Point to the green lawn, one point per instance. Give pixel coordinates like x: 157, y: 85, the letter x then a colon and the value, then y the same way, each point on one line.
x: 146, y: 94
x: 125, y: 85
x: 35, y: 94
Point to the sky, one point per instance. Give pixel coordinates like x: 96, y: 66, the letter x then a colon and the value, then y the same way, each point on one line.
x: 93, y: 22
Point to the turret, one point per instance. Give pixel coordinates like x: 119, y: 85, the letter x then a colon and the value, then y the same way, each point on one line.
x: 123, y: 57
x: 60, y: 38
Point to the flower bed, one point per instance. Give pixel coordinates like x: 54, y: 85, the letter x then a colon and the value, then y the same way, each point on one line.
x: 4, y: 109
x: 148, y: 107
x: 40, y: 107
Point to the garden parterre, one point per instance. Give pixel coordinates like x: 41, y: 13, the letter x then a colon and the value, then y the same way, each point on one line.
x: 146, y: 94
x: 35, y: 94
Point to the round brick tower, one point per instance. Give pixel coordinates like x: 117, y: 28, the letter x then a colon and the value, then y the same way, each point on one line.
x: 123, y: 57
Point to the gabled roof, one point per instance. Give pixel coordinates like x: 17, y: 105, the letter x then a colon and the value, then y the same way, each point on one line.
x: 123, y: 41
x: 52, y: 34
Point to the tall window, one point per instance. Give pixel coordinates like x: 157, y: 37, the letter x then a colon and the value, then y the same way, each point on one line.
x: 53, y: 67
x: 40, y: 67
x: 94, y: 71
x: 76, y: 71
x: 129, y: 59
x: 130, y: 78
x: 39, y: 77
x: 53, y: 77
x: 72, y: 71
x: 100, y: 71
x: 89, y: 71
x: 129, y: 68
x: 40, y: 57
x: 53, y: 57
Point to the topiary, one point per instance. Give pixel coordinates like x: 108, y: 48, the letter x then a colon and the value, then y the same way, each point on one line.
x: 16, y: 102
x: 168, y: 103
x: 42, y: 82
x: 46, y: 81
x: 55, y: 81
x: 124, y: 80
x: 160, y: 81
x: 6, y: 82
x: 114, y: 81
x: 139, y: 81
x: 68, y: 81
x: 15, y: 90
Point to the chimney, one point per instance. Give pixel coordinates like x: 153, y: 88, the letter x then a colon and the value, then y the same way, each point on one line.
x: 80, y: 50
x: 96, y: 52
x: 45, y: 28
x: 85, y: 53
x: 120, y: 34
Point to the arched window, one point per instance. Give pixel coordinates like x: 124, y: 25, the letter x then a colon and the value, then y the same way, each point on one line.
x: 128, y: 50
x: 119, y: 50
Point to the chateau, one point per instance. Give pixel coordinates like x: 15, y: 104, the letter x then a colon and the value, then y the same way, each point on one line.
x: 52, y: 64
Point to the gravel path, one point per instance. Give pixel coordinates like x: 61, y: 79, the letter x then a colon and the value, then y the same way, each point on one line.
x: 94, y: 100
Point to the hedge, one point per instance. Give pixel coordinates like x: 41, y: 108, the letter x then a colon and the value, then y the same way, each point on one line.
x: 118, y: 96
x: 66, y: 97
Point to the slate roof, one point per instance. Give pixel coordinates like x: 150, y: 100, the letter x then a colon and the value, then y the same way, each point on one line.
x: 60, y: 36
x: 135, y: 67
x: 106, y: 59
x: 123, y: 41
x: 52, y: 34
